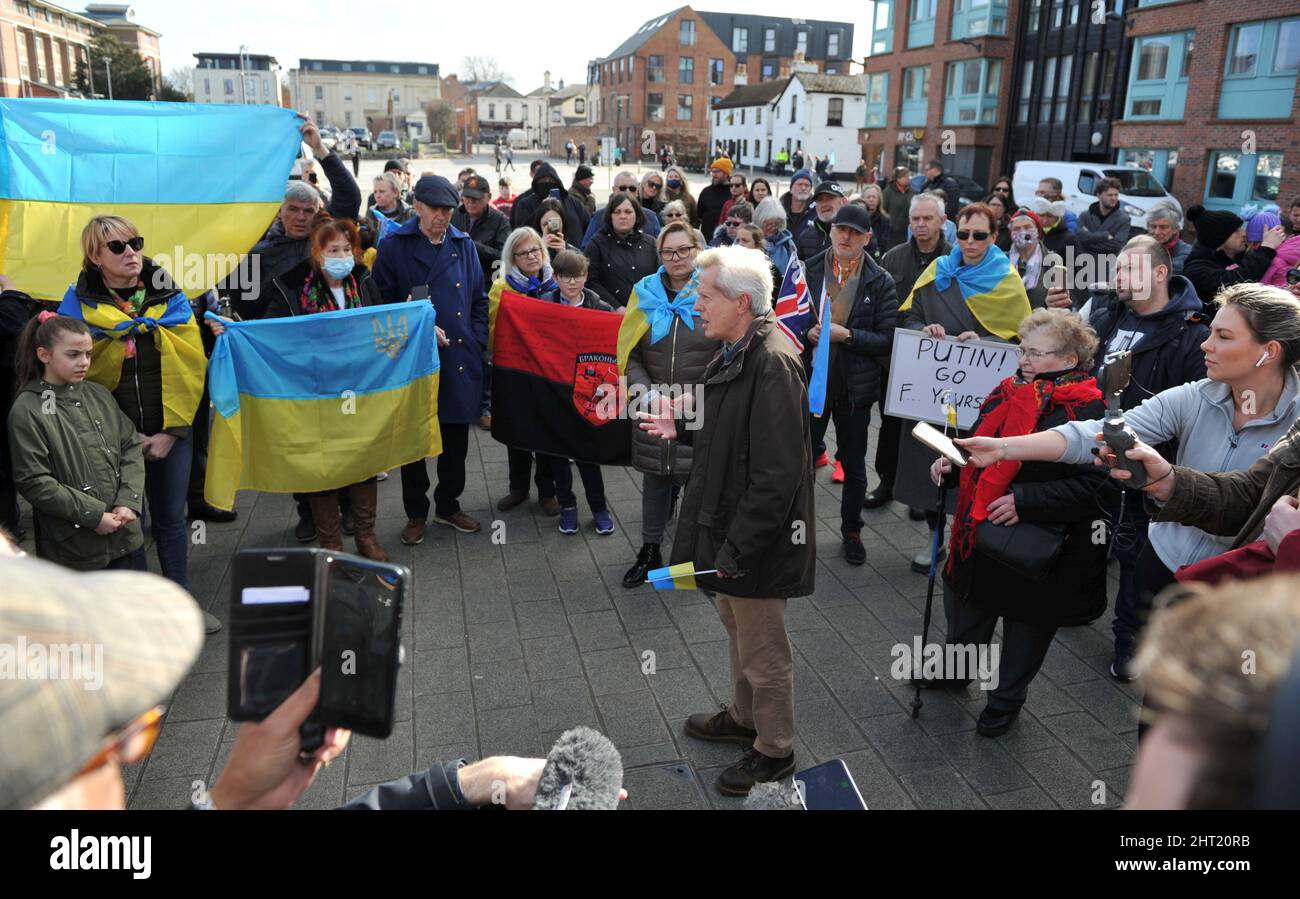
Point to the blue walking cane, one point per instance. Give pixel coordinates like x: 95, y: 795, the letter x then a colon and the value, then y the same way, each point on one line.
x: 936, y: 540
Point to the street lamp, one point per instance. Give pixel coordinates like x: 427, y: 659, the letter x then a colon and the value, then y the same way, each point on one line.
x: 108, y: 70
x: 243, y: 83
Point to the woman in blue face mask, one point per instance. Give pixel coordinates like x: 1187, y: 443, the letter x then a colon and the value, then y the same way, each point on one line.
x: 1027, y: 255
x: 332, y: 278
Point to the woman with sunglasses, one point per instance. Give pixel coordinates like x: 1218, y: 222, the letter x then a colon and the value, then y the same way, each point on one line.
x: 970, y: 293
x: 673, y: 351
x: 675, y: 211
x: 1045, y: 504
x: 621, y: 253
x: 148, y: 352
x: 677, y: 188
x: 651, y: 194
x: 1002, y: 187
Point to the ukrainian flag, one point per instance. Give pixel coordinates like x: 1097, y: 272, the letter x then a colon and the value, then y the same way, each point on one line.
x: 675, y: 577
x: 203, y: 179
x: 992, y: 289
x: 321, y: 401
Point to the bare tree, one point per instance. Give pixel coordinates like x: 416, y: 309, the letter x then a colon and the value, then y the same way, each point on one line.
x: 483, y: 68
x: 181, y: 79
x: 441, y: 118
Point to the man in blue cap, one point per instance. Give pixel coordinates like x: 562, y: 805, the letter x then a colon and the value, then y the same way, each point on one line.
x: 798, y: 201
x: 428, y: 252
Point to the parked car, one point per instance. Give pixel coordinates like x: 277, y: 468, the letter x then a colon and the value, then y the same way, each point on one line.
x: 387, y: 140
x: 329, y: 136
x: 969, y: 190
x: 363, y: 137
x: 1139, y: 192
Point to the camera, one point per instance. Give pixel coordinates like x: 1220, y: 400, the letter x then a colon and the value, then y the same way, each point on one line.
x: 1293, y: 275
x: 293, y: 610
x: 1113, y: 379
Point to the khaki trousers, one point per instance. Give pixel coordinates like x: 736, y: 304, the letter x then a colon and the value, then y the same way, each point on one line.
x: 762, y: 670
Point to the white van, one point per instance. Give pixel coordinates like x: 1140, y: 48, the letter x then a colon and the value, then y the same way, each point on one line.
x: 518, y: 139
x: 1139, y: 192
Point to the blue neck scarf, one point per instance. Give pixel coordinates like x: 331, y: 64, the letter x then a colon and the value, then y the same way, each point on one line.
x: 652, y: 301
x: 532, y: 285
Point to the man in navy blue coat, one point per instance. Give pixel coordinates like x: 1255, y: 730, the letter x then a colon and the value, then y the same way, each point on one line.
x: 428, y: 252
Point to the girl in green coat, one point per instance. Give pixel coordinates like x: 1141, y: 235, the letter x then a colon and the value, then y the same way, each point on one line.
x: 76, y: 456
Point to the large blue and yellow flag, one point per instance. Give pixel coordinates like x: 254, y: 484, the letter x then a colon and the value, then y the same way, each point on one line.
x: 321, y: 401
x: 199, y: 181
x: 992, y: 289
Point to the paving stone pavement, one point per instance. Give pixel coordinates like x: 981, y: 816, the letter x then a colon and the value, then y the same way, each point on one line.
x: 508, y: 645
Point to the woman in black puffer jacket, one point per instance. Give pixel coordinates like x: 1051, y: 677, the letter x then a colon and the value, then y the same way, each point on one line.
x: 621, y: 253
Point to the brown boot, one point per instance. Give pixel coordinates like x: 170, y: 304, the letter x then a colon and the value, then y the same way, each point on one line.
x: 365, y: 509
x: 329, y: 521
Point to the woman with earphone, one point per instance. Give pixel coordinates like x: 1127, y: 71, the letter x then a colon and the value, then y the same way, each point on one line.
x: 1229, y: 420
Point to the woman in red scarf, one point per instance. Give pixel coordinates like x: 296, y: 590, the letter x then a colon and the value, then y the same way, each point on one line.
x: 1066, y: 505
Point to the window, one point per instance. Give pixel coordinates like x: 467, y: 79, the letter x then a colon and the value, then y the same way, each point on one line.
x: 1259, y: 77
x: 1243, y: 53
x: 740, y: 40
x: 1063, y: 92
x: 1088, y: 85
x: 833, y: 44
x: 508, y: 115
x: 207, y: 87
x: 1049, y: 84
x: 882, y: 36
x: 372, y: 95
x: 492, y: 110
x: 758, y: 116
x: 801, y: 42
x: 920, y: 25
x: 1237, y: 178
x: 715, y: 71
x: 686, y: 70
x: 794, y: 107
x: 1058, y: 13
x: 742, y: 117
x: 1158, y: 83
x: 230, y: 89
x: 1026, y: 92
x: 769, y: 70
x: 396, y: 70
x: 580, y: 105
x: 835, y: 112
x: 686, y: 37
x: 423, y: 70
x: 769, y: 38
x: 1109, y: 63
x: 923, y: 9
x: 685, y: 107
x: 1035, y: 16
x: 347, y: 93
x: 654, y: 72
x: 523, y: 114
x: 266, y: 88
x: 370, y: 67
x: 1074, y: 12
x: 972, y: 94
x: 347, y: 67
x: 877, y: 97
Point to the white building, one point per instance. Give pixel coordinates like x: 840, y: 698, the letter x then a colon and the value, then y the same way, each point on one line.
x: 236, y: 78
x: 743, y: 120
x: 821, y: 113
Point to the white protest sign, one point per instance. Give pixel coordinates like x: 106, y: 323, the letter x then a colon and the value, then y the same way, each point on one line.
x: 924, y: 370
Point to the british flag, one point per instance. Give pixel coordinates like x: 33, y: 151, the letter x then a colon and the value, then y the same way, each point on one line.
x: 794, y: 308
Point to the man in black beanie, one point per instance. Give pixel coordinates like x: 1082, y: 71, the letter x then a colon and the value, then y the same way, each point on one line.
x: 1217, y: 259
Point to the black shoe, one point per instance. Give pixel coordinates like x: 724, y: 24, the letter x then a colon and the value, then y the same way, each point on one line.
x: 1121, y: 667
x: 647, y: 559
x: 938, y: 683
x: 753, y: 768
x: 878, y: 497
x: 348, y: 529
x: 719, y: 728
x: 201, y: 511
x: 916, y: 514
x: 854, y: 552
x: 305, y: 531
x: 995, y: 722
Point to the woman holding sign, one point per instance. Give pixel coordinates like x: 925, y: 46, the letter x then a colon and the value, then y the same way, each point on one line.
x: 1020, y: 528
x: 971, y: 293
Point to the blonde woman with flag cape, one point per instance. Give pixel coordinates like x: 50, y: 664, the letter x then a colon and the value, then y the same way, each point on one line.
x: 662, y: 346
x: 148, y: 352
x: 972, y: 293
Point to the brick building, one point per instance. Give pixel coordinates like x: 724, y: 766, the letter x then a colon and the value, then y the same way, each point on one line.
x: 938, y: 80
x: 1211, y: 105
x: 667, y: 76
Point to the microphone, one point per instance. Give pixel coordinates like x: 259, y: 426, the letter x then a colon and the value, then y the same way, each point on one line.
x: 774, y: 796
x: 583, y: 771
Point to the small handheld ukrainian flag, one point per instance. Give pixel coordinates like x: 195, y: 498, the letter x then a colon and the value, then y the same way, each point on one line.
x: 676, y: 577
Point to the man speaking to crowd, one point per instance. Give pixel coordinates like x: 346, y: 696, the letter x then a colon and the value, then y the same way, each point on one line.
x: 748, y: 508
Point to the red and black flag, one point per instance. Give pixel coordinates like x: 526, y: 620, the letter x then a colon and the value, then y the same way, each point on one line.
x: 549, y: 362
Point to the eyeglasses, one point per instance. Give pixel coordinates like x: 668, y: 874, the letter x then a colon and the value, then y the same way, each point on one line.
x: 571, y: 279
x: 147, y: 725
x: 1002, y: 190
x: 969, y: 235
x: 627, y: 188
x: 683, y: 253
x: 735, y: 184
x: 654, y: 185
x: 732, y: 223
x: 1035, y: 355
x: 118, y: 247
x: 674, y: 215
x: 528, y: 254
